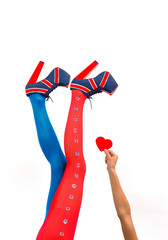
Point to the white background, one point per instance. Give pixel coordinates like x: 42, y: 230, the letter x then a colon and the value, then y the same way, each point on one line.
x: 130, y: 40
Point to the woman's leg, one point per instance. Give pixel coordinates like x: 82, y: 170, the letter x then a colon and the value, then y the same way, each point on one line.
x: 61, y: 220
x: 49, y: 143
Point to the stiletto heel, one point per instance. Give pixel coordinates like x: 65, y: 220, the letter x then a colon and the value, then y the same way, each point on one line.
x: 36, y: 73
x: 102, y: 82
x: 57, y: 77
x: 87, y: 70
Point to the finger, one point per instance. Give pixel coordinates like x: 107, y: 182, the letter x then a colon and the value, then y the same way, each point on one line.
x: 107, y: 152
x: 111, y: 153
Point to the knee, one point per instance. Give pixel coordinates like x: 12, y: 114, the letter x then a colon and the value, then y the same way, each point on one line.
x: 58, y: 164
x: 83, y: 167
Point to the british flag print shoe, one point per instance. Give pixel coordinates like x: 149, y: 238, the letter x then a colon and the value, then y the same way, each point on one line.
x: 104, y: 82
x: 57, y: 77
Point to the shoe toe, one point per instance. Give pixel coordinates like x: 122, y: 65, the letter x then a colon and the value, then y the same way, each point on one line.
x: 64, y: 77
x: 110, y: 85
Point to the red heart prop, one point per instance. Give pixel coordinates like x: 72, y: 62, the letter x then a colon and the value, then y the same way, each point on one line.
x: 103, y: 143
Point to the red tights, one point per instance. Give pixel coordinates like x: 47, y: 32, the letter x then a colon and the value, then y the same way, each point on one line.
x: 62, y: 217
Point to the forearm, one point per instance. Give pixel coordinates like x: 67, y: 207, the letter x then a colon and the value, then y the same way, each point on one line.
x: 120, y: 200
x: 121, y: 203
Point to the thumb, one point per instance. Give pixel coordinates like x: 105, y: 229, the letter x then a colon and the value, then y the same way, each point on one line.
x: 107, y: 152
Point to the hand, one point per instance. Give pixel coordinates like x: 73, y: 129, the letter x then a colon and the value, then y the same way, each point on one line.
x: 110, y: 159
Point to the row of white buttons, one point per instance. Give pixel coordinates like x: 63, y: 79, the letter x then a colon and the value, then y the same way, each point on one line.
x: 71, y: 197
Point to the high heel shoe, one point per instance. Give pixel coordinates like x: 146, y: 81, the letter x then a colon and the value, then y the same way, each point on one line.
x: 104, y: 82
x: 58, y: 77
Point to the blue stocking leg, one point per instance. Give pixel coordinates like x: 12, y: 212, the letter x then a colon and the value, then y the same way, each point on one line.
x: 49, y: 144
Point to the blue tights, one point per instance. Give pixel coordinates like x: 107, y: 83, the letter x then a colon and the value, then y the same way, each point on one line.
x: 49, y: 144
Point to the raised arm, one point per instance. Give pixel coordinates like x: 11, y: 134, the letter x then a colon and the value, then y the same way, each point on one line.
x: 121, y: 203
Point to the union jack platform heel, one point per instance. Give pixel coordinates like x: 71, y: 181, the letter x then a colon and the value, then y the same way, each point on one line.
x: 57, y: 77
x: 104, y: 82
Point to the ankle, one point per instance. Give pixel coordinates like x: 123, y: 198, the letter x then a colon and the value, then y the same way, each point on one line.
x: 37, y: 97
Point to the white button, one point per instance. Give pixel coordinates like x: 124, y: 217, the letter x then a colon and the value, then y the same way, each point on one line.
x: 75, y: 130
x: 76, y: 141
x: 65, y: 221
x: 73, y: 185
x: 76, y: 175
x: 77, y: 154
x: 68, y: 209
x: 77, y: 99
x: 61, y: 234
x: 71, y: 197
x: 78, y: 165
x: 76, y: 109
x: 75, y: 119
